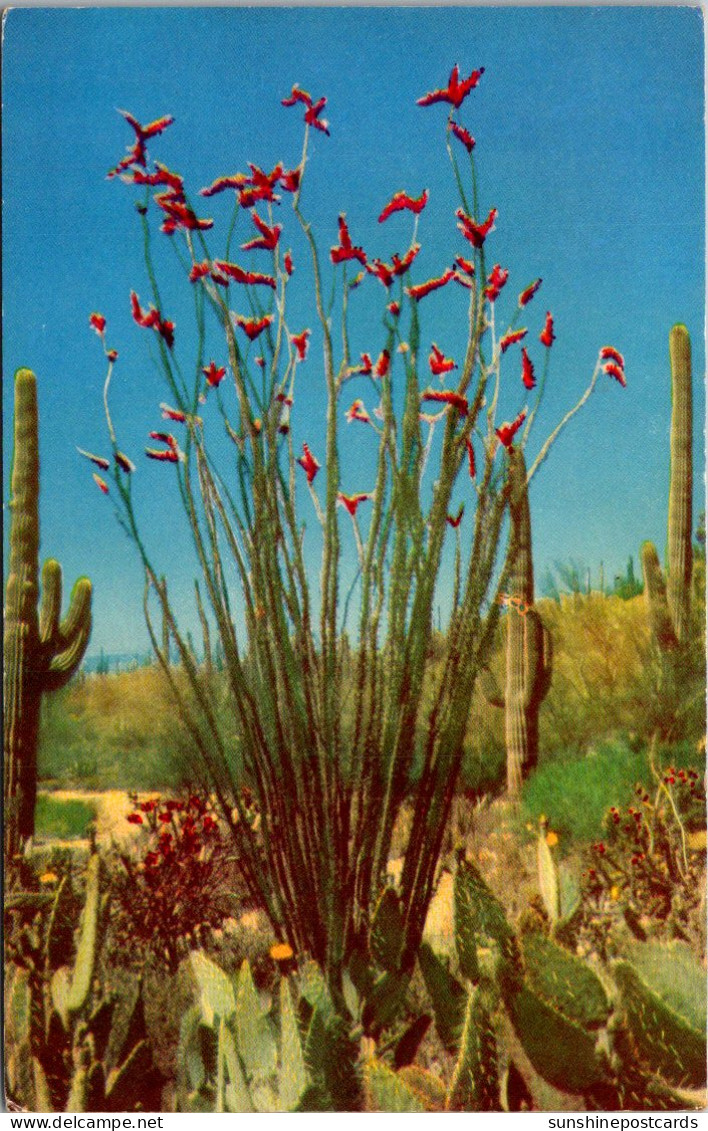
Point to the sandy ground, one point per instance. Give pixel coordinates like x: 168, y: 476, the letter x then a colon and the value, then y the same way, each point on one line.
x: 112, y: 808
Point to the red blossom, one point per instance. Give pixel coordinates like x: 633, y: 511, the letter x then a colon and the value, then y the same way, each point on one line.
x: 526, y: 296
x: 288, y: 263
x: 438, y: 363
x: 301, y: 343
x: 351, y: 502
x: 124, y: 463
x: 253, y: 327
x: 609, y: 353
x: 312, y: 116
x: 100, y: 461
x: 400, y: 201
x: 213, y: 374
x: 308, y: 463
x: 345, y: 250
x: 134, y: 819
x: 511, y: 338
x: 290, y: 179
x: 296, y: 95
x: 180, y: 215
x: 112, y: 355
x: 100, y: 483
x: 462, y: 135
x: 455, y: 520
x: 199, y: 270
x: 175, y: 414
x: 496, y: 281
x: 383, y: 364
x: 527, y: 374
x: 422, y: 289
x: 98, y: 323
x: 367, y: 365
x: 507, y: 431
x: 152, y: 129
x: 444, y: 396
x: 465, y: 264
x: 456, y: 91
x: 357, y: 411
x: 249, y: 278
x: 221, y: 184
x: 209, y: 825
x: 394, y: 308
x: 268, y: 239
x: 165, y: 438
x: 547, y: 336
x: 615, y: 371
x: 475, y: 233
x: 169, y: 455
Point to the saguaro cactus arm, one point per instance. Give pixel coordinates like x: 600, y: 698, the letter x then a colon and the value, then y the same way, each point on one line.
x: 660, y: 620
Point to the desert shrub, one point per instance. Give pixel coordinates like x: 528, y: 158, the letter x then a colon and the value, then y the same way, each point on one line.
x: 116, y: 731
x: 173, y: 886
x: 648, y: 868
x: 601, y: 650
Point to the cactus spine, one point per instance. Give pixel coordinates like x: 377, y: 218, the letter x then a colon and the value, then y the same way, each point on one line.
x: 674, y: 597
x: 41, y: 653
x: 528, y: 643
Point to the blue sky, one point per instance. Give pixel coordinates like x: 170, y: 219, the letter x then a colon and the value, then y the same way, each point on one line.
x: 587, y: 143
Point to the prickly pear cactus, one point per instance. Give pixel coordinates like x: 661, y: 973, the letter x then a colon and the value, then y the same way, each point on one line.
x: 41, y: 651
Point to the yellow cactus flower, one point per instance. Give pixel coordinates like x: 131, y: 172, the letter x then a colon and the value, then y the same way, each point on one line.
x: 48, y: 878
x: 614, y: 893
x: 551, y: 839
x: 281, y: 952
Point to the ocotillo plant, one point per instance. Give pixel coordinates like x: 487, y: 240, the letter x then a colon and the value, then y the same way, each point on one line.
x: 41, y: 652
x: 331, y: 740
x: 528, y: 643
x: 674, y: 596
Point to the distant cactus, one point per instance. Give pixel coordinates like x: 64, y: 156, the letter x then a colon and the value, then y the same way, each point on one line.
x: 529, y: 654
x: 41, y: 652
x: 674, y: 596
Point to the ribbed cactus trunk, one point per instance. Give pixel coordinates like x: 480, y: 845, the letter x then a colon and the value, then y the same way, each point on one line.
x: 679, y: 549
x: 669, y: 600
x: 40, y: 653
x: 528, y: 643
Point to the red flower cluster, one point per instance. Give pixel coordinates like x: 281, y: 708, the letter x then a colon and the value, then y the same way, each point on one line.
x: 166, y: 888
x: 152, y: 319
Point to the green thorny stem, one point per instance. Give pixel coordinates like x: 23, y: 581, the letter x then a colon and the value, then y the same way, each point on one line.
x: 333, y: 742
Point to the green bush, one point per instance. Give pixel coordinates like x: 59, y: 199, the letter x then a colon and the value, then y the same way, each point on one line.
x: 575, y: 792
x: 62, y: 819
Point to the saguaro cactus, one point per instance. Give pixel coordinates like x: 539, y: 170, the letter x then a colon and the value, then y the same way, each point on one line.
x: 677, y: 592
x: 528, y: 644
x: 41, y: 652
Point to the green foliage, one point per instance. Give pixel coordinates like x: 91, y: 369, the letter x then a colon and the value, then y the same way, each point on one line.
x: 116, y: 731
x: 576, y: 792
x: 62, y: 818
x: 41, y: 651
